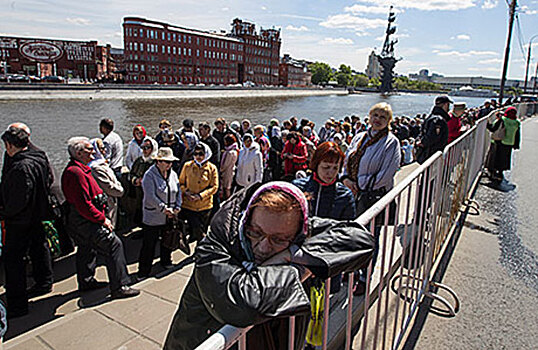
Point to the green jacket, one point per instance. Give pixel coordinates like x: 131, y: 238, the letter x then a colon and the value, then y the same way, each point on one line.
x: 511, y: 126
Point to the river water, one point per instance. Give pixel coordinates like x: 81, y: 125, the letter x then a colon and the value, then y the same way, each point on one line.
x: 54, y: 121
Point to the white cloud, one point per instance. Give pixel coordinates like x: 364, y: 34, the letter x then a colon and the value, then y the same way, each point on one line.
x: 225, y: 9
x: 361, y: 34
x: 353, y: 22
x: 465, y: 54
x: 491, y: 61
x: 310, y: 18
x: 441, y: 47
x: 490, y: 4
x: 263, y: 8
x: 426, y: 5
x: 526, y: 10
x: 337, y: 41
x: 483, y: 69
x: 78, y: 21
x: 297, y: 29
x: 358, y: 9
x: 461, y: 37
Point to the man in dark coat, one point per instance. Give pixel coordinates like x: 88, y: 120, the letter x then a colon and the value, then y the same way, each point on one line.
x: 251, y: 266
x: 24, y: 189
x: 434, y: 133
x: 205, y: 136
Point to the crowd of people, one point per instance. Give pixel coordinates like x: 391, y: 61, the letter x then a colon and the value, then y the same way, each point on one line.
x: 215, y: 179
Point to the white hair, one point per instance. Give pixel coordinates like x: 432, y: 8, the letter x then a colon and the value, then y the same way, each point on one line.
x: 76, y: 144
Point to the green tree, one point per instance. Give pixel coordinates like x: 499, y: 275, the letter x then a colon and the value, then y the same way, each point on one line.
x: 374, y: 82
x: 343, y: 77
x: 360, y: 80
x: 321, y: 72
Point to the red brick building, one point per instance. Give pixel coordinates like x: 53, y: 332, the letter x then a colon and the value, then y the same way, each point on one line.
x: 157, y: 52
x: 293, y: 73
x: 42, y: 57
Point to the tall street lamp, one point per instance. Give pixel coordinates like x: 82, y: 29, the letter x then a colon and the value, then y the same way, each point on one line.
x: 528, y: 61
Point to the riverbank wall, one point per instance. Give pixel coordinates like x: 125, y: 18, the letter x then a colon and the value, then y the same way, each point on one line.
x: 128, y: 92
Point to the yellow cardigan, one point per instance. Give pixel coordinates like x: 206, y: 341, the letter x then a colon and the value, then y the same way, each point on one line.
x: 202, y: 180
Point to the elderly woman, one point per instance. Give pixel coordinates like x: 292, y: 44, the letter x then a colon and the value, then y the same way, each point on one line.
x: 199, y: 181
x: 228, y: 165
x: 106, y: 179
x: 372, y: 159
x: 161, y: 203
x: 249, y: 163
x: 134, y: 149
x: 140, y: 166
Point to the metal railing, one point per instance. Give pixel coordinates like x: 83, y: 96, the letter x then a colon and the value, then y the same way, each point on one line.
x: 412, y: 241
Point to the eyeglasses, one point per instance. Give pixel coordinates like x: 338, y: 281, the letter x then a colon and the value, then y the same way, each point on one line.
x: 166, y: 161
x: 199, y: 154
x: 257, y: 236
x: 146, y: 147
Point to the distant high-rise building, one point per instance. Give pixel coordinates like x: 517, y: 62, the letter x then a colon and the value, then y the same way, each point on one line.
x: 373, y: 69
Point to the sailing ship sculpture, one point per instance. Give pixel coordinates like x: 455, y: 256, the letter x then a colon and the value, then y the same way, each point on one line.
x: 386, y: 59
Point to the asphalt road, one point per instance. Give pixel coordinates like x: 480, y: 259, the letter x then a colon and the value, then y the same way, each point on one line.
x: 494, y: 268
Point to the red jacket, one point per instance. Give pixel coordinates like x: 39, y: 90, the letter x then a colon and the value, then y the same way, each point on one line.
x: 454, y: 128
x: 80, y: 188
x: 291, y: 166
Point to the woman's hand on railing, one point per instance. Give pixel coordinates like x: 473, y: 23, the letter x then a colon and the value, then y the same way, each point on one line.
x: 352, y: 186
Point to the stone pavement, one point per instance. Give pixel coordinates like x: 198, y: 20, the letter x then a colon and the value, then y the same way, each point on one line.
x: 67, y: 319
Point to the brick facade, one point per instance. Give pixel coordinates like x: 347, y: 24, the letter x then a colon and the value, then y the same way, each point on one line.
x: 157, y: 52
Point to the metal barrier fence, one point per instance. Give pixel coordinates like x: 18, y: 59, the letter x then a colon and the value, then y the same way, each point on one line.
x: 413, y: 237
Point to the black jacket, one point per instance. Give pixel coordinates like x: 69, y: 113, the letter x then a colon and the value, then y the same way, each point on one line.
x: 334, y: 201
x: 25, y: 187
x: 434, y: 133
x: 222, y: 290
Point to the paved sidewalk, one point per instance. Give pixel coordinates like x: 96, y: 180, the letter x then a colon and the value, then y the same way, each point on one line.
x: 66, y: 319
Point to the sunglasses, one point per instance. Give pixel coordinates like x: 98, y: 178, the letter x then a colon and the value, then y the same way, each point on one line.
x: 146, y: 147
x: 166, y: 161
x: 199, y: 154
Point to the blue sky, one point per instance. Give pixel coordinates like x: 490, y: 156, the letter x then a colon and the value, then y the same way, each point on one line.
x: 450, y: 37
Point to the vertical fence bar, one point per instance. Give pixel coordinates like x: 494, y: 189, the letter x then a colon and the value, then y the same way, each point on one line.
x: 291, y: 333
x: 391, y: 257
x: 243, y: 342
x: 349, y: 318
x: 402, y: 260
x: 367, y: 294
x: 381, y: 274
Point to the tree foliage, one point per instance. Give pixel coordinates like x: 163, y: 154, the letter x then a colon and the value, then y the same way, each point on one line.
x: 404, y: 83
x: 344, y: 75
x: 321, y: 73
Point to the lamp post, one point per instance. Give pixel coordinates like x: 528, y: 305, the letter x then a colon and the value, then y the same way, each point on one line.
x: 528, y: 62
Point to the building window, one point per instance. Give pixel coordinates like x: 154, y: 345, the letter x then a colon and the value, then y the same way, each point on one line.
x: 174, y: 50
x: 141, y: 32
x: 168, y: 36
x: 190, y: 41
x: 142, y: 67
x: 197, y: 41
x: 174, y: 37
x: 135, y: 32
x: 168, y: 49
x: 164, y: 49
x: 184, y: 51
x: 162, y: 35
x: 205, y: 42
x: 141, y: 47
x: 184, y: 38
x: 189, y: 51
x: 135, y: 46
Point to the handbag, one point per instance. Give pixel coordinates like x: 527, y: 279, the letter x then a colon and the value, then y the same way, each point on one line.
x: 500, y: 133
x: 367, y: 198
x: 173, y: 236
x: 53, y: 239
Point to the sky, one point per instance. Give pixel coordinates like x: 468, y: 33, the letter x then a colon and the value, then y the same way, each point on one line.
x: 448, y: 37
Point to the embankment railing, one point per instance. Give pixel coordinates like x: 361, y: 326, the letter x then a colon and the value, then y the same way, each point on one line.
x: 412, y: 242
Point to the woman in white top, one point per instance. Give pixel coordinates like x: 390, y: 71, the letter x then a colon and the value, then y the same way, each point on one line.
x: 249, y: 163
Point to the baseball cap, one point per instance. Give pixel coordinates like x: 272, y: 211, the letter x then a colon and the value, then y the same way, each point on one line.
x: 442, y: 99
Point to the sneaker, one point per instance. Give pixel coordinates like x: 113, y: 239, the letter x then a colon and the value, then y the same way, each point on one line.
x: 36, y: 291
x: 92, y: 285
x: 124, y: 292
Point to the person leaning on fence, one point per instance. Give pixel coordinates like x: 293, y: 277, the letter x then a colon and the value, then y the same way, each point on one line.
x: 87, y: 224
x: 250, y: 268
x: 24, y: 188
x: 499, y: 156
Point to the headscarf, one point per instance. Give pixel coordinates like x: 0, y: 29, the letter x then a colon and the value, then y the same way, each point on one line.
x: 281, y: 186
x: 235, y: 125
x: 98, y: 157
x: 153, y: 151
x: 139, y: 127
x: 207, y: 155
x: 276, y: 132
